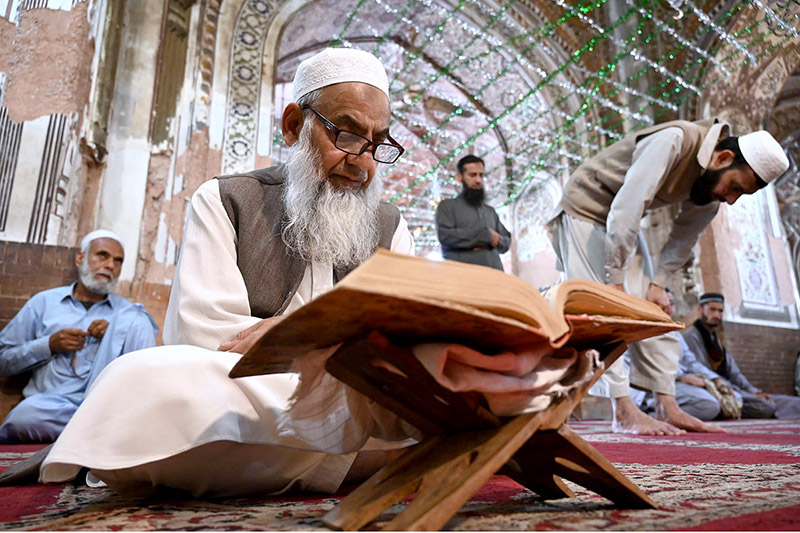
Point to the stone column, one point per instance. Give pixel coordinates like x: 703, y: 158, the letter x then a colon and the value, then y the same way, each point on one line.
x: 627, y: 66
x: 125, y: 175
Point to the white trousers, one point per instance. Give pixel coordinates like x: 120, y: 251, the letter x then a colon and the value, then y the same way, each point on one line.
x: 579, y: 245
x: 170, y: 416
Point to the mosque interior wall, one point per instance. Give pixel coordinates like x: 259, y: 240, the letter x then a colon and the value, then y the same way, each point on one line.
x: 766, y: 355
x: 26, y: 269
x: 48, y: 62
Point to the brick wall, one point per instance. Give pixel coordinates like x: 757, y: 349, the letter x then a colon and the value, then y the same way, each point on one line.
x: 765, y: 355
x: 26, y: 269
x: 153, y: 296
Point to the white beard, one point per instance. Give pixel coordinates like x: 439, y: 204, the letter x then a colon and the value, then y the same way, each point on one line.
x: 325, y: 224
x: 96, y: 286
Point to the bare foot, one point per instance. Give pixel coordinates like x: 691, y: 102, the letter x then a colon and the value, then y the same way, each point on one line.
x: 668, y: 410
x: 630, y: 419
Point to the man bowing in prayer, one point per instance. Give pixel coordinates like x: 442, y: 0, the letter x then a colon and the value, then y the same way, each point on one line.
x: 66, y: 336
x: 256, y: 246
x: 596, y: 236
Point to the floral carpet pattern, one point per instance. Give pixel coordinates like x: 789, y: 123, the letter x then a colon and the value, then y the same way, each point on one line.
x: 746, y: 479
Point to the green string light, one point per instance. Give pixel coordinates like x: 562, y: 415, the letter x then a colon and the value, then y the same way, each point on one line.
x: 599, y: 104
x: 459, y: 110
x: 573, y: 59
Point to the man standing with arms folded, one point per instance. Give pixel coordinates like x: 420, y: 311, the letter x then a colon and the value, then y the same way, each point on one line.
x: 470, y: 231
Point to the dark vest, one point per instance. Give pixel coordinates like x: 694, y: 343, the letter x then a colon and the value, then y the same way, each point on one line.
x: 271, y: 272
x: 592, y: 186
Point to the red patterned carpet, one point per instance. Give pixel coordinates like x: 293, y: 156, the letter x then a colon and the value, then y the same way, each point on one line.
x: 748, y: 479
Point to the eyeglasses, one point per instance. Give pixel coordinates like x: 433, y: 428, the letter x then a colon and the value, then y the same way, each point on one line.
x: 353, y: 143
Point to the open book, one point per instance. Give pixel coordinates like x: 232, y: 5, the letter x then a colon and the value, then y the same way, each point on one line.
x: 411, y: 300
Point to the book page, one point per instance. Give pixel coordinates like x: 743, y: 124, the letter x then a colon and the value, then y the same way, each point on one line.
x: 483, y: 288
x: 343, y: 314
x: 595, y: 331
x: 580, y: 296
x: 412, y: 300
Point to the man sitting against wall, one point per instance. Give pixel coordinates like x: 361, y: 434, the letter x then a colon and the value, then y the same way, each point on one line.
x: 704, y: 340
x: 66, y: 336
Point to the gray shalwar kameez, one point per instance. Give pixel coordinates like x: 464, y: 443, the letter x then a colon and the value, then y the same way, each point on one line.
x: 780, y: 406
x: 463, y: 230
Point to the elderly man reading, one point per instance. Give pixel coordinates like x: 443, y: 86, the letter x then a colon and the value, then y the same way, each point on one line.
x: 256, y: 246
x: 66, y: 336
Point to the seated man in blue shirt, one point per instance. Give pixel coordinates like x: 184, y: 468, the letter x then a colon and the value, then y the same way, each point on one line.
x: 66, y: 336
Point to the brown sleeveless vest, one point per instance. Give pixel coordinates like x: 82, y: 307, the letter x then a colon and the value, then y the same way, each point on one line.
x: 272, y: 274
x: 592, y: 186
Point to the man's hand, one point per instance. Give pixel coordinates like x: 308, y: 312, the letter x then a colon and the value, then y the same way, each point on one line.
x: 692, y: 380
x: 764, y: 396
x: 67, y: 340
x: 657, y: 295
x: 496, y: 238
x: 245, y: 339
x: 98, y: 328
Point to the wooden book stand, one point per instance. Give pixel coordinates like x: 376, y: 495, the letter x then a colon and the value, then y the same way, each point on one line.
x: 465, y: 444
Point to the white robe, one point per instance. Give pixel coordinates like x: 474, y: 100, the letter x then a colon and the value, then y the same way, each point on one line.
x: 171, y: 416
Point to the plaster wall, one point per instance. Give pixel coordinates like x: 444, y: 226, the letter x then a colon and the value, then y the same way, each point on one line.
x: 23, y: 195
x: 48, y: 62
x: 47, y: 58
x: 783, y: 272
x: 722, y: 274
x: 540, y: 271
x: 7, y: 32
x: 266, y: 105
x: 223, y: 43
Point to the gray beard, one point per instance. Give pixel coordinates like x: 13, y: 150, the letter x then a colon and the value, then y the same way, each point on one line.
x: 96, y: 286
x: 324, y: 224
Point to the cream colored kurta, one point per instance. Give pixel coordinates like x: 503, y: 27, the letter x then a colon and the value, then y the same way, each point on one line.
x: 171, y: 416
x: 613, y: 254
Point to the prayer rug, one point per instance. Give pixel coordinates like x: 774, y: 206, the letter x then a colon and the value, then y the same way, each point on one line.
x: 747, y: 479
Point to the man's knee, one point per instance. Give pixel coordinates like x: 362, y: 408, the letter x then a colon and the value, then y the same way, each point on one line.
x: 697, y: 401
x: 704, y: 408
x: 757, y: 408
x: 36, y: 421
x: 140, y: 329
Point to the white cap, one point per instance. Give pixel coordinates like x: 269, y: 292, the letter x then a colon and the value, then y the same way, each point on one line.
x: 339, y: 65
x: 100, y: 234
x: 764, y: 155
